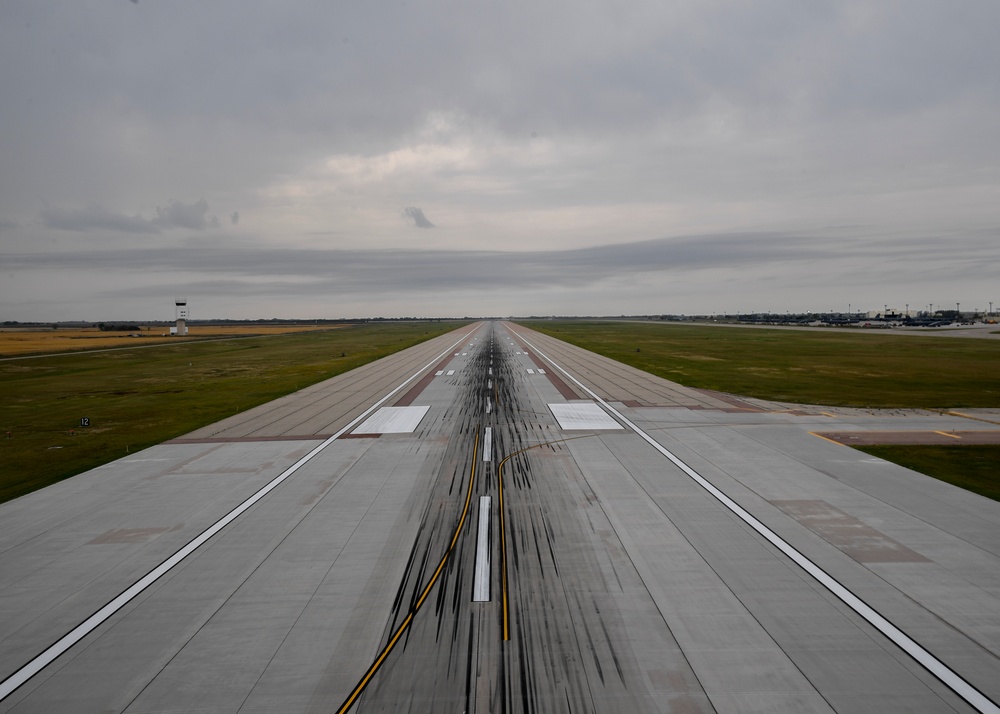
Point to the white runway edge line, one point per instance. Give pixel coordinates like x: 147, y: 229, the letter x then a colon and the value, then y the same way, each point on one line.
x: 44, y: 659
x: 939, y: 669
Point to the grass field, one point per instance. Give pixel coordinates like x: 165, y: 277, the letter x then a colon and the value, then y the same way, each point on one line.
x: 973, y: 467
x: 829, y: 368
x: 137, y: 398
x: 20, y: 341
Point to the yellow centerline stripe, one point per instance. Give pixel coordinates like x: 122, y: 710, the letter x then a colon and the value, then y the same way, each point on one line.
x: 825, y: 438
x: 944, y: 433
x: 405, y: 624
x: 969, y: 416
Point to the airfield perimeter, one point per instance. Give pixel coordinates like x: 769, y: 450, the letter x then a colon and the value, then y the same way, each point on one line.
x: 644, y: 547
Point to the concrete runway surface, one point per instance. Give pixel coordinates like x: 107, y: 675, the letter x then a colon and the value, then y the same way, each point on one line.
x: 682, y: 551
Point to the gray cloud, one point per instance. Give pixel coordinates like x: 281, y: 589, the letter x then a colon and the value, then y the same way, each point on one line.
x: 94, y: 217
x: 301, y: 271
x: 417, y: 216
x: 185, y: 215
x: 234, y: 217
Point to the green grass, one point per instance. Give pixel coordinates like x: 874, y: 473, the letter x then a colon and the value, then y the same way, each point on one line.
x: 972, y: 467
x: 138, y: 398
x: 829, y: 368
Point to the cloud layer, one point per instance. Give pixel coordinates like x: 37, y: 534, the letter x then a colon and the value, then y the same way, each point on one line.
x: 582, y: 276
x: 192, y: 216
x: 599, y: 135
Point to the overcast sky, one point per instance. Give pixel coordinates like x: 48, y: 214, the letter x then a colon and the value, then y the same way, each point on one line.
x: 318, y: 159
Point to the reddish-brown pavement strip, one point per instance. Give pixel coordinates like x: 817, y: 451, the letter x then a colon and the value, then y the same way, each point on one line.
x: 907, y: 438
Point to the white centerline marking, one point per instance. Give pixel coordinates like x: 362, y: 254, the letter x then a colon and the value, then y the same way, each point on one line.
x: 939, y: 669
x: 450, y: 372
x: 481, y: 581
x: 439, y: 373
x: 531, y: 371
x: 488, y: 444
x: 42, y: 660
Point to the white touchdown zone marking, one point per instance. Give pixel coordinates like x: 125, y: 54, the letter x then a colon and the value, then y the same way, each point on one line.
x: 582, y: 415
x: 939, y: 669
x: 393, y: 420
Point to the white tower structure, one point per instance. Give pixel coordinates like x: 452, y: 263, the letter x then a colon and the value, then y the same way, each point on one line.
x: 181, y: 309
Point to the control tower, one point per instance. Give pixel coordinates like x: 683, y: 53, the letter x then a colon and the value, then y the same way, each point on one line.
x: 181, y: 310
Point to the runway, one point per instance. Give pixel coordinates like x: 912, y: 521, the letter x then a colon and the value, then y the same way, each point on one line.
x: 647, y: 548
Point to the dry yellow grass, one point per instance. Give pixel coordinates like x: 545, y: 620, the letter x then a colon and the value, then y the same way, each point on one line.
x: 18, y: 341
